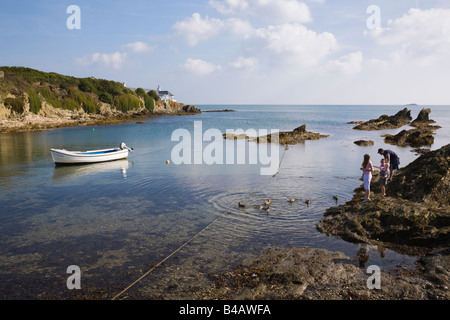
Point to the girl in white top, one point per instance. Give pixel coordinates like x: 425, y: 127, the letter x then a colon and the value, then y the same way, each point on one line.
x: 367, y: 169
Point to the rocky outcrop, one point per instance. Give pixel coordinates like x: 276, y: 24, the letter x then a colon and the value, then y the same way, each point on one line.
x: 423, y: 118
x: 421, y: 135
x: 172, y: 107
x: 387, y: 122
x: 413, y: 217
x: 298, y: 135
x: 364, y: 143
x: 318, y: 274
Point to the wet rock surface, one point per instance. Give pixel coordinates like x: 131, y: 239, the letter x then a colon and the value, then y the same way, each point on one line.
x: 364, y: 143
x: 317, y: 274
x: 293, y: 137
x: 421, y: 135
x: 386, y: 122
x: 413, y: 217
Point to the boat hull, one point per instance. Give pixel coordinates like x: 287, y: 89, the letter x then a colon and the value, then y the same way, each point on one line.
x: 61, y: 156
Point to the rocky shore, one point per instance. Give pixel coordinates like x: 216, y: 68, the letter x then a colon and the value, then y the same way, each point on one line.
x: 32, y: 100
x: 413, y: 219
x: 319, y: 274
x: 298, y: 135
x: 50, y: 117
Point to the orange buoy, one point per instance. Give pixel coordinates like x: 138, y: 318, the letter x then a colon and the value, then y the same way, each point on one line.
x: 167, y: 161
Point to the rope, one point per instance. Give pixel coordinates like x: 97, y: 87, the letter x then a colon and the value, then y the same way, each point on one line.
x: 197, y: 234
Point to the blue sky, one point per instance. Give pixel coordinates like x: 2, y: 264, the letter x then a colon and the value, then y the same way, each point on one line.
x: 243, y: 51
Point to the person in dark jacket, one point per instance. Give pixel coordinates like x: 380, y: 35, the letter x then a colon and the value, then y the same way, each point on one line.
x: 392, y: 159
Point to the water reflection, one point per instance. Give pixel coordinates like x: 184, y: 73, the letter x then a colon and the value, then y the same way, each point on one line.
x: 63, y: 173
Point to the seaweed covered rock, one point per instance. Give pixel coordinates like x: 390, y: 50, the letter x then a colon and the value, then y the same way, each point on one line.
x: 413, y: 138
x: 423, y: 118
x: 421, y: 135
x: 364, y: 143
x: 293, y: 137
x: 318, y: 274
x: 414, y: 216
x: 387, y: 122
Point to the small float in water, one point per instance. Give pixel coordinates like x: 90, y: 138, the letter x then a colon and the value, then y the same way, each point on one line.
x: 62, y: 156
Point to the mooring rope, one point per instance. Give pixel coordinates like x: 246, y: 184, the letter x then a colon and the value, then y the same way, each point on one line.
x: 198, y: 233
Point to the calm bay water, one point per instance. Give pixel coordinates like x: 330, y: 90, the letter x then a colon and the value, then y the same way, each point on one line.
x: 116, y: 220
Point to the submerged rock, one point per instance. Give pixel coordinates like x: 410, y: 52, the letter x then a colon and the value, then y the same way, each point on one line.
x: 364, y: 143
x: 387, y: 122
x: 319, y: 274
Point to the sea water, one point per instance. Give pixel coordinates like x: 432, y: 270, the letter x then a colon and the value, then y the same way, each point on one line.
x: 117, y: 220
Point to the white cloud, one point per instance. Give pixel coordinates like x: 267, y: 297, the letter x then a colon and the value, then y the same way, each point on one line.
x: 200, y: 67
x: 195, y: 28
x: 229, y: 6
x: 348, y: 64
x: 294, y: 44
x: 282, y: 11
x: 272, y: 11
x: 114, y: 60
x: 138, y: 47
x: 422, y: 35
x: 244, y: 63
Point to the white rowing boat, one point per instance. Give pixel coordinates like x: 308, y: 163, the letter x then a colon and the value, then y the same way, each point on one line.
x: 62, y: 156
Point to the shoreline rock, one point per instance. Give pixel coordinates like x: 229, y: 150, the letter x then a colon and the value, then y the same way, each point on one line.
x: 319, y: 274
x: 298, y: 135
x: 51, y: 118
x: 414, y: 217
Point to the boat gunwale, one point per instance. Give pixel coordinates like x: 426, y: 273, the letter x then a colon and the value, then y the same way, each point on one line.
x: 91, y: 153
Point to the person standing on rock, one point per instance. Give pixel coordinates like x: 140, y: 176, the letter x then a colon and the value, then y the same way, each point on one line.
x: 392, y: 159
x: 367, y: 169
x: 384, y: 172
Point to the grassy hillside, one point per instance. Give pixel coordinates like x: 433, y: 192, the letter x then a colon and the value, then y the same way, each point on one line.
x: 24, y: 89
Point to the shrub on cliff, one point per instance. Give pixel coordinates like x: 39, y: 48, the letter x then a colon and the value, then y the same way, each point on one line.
x: 34, y: 100
x: 154, y: 95
x: 127, y: 102
x: 16, y: 104
x: 148, y: 100
x: 82, y: 99
x: 50, y: 97
x: 106, y: 98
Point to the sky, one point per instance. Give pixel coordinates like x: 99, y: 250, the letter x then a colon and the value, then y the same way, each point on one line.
x: 242, y: 51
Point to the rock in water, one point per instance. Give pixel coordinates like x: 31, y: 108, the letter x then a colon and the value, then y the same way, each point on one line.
x: 387, y: 122
x: 423, y: 118
x: 421, y: 135
x: 364, y: 143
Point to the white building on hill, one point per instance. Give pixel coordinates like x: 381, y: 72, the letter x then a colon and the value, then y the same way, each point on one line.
x: 165, y: 95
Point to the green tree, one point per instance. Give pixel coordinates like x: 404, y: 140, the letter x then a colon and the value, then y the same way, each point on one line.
x: 154, y: 95
x: 140, y: 92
